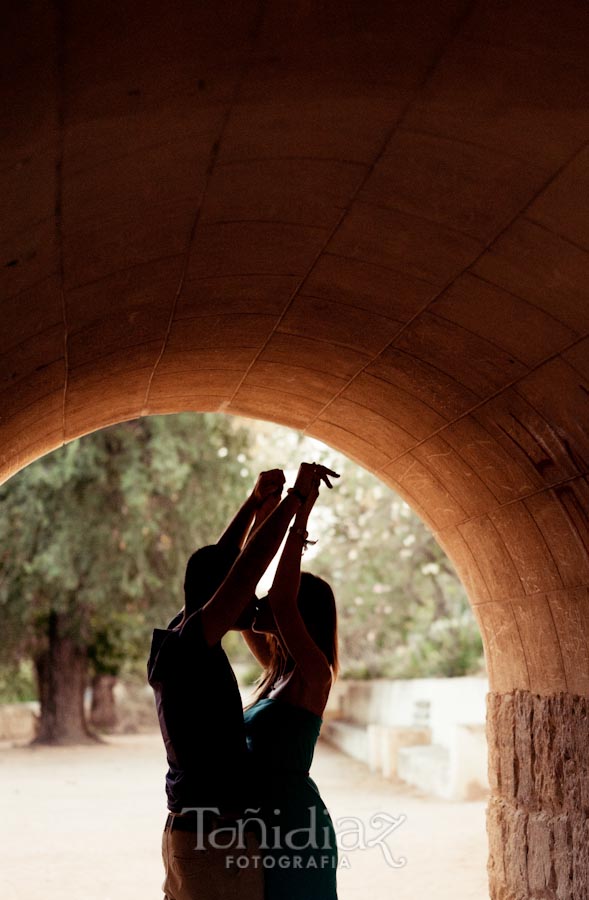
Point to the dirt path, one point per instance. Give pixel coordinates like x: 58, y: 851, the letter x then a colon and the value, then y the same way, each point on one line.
x: 86, y: 823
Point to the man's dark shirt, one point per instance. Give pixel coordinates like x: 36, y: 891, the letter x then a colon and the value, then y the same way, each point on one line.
x: 201, y: 719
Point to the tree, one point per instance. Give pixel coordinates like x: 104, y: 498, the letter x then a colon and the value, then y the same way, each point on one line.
x: 403, y: 611
x: 95, y: 538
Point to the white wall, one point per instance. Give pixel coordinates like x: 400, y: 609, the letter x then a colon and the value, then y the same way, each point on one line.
x: 453, y: 701
x: 453, y: 765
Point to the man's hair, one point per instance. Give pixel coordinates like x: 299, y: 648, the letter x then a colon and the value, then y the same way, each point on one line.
x: 206, y: 570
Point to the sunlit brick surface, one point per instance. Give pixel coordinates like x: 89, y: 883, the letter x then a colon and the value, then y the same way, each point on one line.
x: 368, y: 221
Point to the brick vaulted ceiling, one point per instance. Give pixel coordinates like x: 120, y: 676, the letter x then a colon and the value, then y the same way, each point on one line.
x: 366, y: 220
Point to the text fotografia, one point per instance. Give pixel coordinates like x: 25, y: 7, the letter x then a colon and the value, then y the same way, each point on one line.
x: 351, y: 833
x: 295, y: 861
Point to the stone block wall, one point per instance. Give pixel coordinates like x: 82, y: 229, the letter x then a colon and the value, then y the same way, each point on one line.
x: 537, y: 818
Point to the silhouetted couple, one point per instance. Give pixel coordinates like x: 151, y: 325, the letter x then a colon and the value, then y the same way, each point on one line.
x: 246, y: 821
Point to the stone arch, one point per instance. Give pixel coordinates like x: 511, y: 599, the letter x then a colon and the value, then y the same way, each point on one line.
x: 365, y: 222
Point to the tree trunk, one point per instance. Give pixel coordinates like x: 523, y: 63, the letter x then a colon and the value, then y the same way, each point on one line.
x: 62, y: 672
x: 103, y: 712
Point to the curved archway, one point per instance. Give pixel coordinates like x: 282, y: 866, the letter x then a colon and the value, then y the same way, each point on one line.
x: 366, y: 223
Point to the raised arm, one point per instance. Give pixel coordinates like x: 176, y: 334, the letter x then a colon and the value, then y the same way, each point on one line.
x: 258, y: 643
x: 237, y: 590
x: 312, y: 663
x: 268, y: 484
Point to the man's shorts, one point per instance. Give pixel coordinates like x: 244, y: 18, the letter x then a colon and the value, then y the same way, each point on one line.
x: 198, y: 868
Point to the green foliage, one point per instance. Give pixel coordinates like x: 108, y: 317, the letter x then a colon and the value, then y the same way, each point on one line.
x: 101, y: 530
x: 17, y: 683
x: 403, y: 612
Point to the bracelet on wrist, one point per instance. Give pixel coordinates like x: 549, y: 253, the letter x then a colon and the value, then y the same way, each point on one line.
x: 303, y: 534
x: 297, y: 493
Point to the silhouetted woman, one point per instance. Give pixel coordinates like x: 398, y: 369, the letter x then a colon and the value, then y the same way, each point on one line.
x: 294, y: 637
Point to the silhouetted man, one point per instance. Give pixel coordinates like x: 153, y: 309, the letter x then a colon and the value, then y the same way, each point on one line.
x: 199, y: 705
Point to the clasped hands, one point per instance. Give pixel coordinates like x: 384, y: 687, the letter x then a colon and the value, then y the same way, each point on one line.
x: 268, y: 488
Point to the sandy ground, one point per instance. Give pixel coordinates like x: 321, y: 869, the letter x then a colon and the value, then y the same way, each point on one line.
x: 86, y: 823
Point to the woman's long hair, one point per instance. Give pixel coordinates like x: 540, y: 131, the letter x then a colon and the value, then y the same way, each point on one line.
x: 317, y: 607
